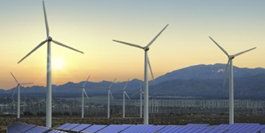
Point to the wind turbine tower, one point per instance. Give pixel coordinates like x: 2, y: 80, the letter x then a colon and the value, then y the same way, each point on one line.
x: 48, y: 41
x: 124, y: 95
x: 146, y: 65
x: 229, y: 66
x: 18, y: 94
x: 83, y: 97
x: 109, y: 96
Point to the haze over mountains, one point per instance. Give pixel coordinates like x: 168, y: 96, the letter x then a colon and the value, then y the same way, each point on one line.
x: 199, y: 81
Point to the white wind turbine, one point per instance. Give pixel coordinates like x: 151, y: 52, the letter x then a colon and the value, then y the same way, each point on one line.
x: 125, y: 94
x: 146, y: 65
x: 109, y: 96
x: 18, y: 94
x: 83, y: 97
x: 48, y: 40
x: 229, y: 66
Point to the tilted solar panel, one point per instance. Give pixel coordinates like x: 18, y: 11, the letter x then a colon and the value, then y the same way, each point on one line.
x: 255, y: 129
x: 56, y: 131
x: 252, y: 129
x: 80, y: 127
x: 197, y: 130
x: 262, y: 130
x: 169, y: 128
x: 242, y: 127
x: 113, y: 129
x: 93, y: 128
x: 190, y: 128
x: 143, y: 129
x: 63, y: 126
x: 19, y: 127
x: 69, y: 127
x: 207, y: 129
x: 38, y: 129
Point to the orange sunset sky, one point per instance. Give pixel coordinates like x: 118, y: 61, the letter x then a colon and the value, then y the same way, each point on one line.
x: 90, y: 26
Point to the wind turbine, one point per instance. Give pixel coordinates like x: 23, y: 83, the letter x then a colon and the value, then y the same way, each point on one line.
x: 146, y: 65
x: 48, y: 40
x: 125, y: 94
x: 83, y: 97
x: 18, y: 94
x: 109, y: 95
x: 229, y: 66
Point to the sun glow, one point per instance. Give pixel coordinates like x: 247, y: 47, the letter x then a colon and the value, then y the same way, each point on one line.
x: 58, y: 63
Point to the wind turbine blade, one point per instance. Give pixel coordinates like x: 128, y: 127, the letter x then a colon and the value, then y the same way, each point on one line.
x: 135, y: 93
x: 125, y: 86
x: 219, y: 46
x: 226, y: 73
x: 85, y: 93
x: 14, y: 78
x: 150, y: 68
x: 111, y: 95
x: 63, y: 45
x: 151, y: 42
x: 46, y: 20
x: 130, y: 44
x: 244, y: 51
x: 84, y: 85
x: 126, y: 94
x: 88, y: 77
x: 111, y: 84
x: 32, y: 51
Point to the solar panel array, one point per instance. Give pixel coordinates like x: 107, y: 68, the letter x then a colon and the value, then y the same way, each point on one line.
x: 126, y: 128
x: 29, y: 128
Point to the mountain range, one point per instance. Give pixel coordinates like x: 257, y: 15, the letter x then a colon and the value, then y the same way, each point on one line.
x: 198, y: 81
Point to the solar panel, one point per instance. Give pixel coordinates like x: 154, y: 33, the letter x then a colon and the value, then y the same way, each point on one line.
x: 80, y: 127
x: 254, y: 129
x: 169, y: 128
x: 262, y: 130
x: 19, y: 127
x: 189, y: 128
x: 56, y: 131
x: 143, y: 129
x: 238, y: 127
x: 93, y: 128
x: 63, y: 126
x: 113, y: 129
x: 206, y: 129
x: 38, y: 129
x: 13, y: 128
x: 251, y: 129
x: 69, y: 127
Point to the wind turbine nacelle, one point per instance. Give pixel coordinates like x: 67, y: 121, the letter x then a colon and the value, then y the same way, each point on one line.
x: 49, y: 39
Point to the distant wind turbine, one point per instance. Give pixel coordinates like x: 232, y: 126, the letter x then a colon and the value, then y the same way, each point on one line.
x: 146, y: 65
x: 83, y: 97
x: 229, y: 66
x: 18, y: 93
x: 48, y: 40
x: 125, y: 94
x: 109, y: 97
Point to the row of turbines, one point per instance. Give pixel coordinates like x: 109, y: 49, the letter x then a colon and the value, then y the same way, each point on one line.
x: 147, y: 67
x: 109, y: 98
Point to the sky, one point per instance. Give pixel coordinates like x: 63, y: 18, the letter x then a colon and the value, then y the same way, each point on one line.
x: 91, y: 25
